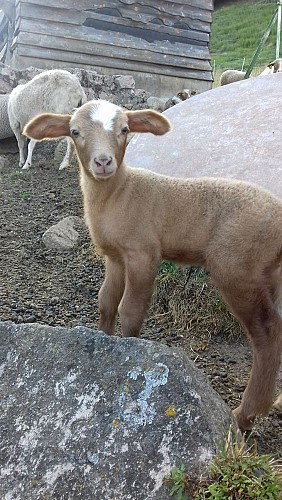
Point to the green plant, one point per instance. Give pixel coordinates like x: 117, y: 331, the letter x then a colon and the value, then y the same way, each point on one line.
x: 237, y: 472
x: 177, y: 481
x: 25, y: 196
x: 167, y: 271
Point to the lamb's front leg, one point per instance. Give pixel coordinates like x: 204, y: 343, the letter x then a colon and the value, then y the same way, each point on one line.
x: 68, y: 155
x: 110, y: 295
x: 140, y: 273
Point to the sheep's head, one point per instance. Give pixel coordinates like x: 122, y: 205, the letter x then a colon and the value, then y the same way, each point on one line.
x: 99, y: 131
x: 275, y: 66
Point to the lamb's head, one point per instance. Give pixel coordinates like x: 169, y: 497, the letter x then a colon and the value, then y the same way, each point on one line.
x: 99, y: 130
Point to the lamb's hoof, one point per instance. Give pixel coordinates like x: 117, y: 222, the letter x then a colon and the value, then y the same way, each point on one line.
x: 278, y: 403
x: 26, y: 166
x: 244, y: 423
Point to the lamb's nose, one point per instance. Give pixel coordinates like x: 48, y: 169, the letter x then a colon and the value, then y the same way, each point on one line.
x: 103, y: 161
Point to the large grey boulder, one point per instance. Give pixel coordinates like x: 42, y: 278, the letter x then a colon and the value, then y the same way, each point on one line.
x: 89, y: 416
x: 231, y: 131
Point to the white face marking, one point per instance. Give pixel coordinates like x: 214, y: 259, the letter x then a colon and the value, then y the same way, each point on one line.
x: 104, y: 112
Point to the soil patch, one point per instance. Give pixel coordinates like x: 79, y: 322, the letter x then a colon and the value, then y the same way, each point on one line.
x: 40, y: 285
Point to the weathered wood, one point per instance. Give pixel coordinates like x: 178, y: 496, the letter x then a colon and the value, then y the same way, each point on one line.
x: 164, y: 39
x: 144, y: 30
x: 201, y: 5
x: 87, y: 47
x: 129, y: 18
x: 112, y: 39
x: 74, y: 16
x: 117, y: 64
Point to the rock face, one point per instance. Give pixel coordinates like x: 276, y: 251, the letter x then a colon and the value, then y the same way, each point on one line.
x: 231, y: 131
x: 89, y: 416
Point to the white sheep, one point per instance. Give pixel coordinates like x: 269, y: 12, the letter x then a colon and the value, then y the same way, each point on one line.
x: 54, y: 91
x: 5, y: 128
x: 233, y: 75
x: 136, y: 218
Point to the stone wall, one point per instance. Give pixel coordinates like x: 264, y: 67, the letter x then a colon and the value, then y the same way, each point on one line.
x: 119, y: 89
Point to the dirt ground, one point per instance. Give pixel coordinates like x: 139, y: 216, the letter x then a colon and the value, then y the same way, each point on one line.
x: 40, y: 285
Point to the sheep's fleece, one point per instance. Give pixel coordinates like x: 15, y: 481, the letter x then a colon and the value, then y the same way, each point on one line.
x: 53, y: 91
x: 5, y: 128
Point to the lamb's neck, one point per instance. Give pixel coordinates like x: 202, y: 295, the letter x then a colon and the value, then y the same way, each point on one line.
x: 98, y: 192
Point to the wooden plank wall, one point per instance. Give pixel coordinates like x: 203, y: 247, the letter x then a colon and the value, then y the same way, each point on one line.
x: 158, y: 37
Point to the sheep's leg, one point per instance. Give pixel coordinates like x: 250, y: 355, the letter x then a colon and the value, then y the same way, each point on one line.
x: 139, y: 284
x: 110, y: 295
x: 30, y: 149
x: 68, y: 156
x: 22, y: 141
x: 256, y: 311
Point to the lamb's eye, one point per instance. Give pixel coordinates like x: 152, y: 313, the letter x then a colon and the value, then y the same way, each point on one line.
x: 75, y: 132
x: 124, y: 130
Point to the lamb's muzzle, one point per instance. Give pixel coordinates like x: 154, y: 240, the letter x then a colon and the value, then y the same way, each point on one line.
x: 136, y: 218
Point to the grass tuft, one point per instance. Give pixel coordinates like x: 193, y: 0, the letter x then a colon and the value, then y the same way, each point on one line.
x: 187, y: 302
x: 237, y: 472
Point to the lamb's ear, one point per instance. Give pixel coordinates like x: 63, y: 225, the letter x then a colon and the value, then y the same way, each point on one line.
x: 48, y: 126
x: 148, y: 120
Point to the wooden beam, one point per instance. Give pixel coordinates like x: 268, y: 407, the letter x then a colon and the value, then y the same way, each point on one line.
x: 201, y: 5
x: 111, y: 38
x: 82, y: 60
x: 165, y: 21
x: 135, y: 55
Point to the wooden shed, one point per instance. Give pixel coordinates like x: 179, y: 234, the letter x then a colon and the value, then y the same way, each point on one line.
x: 164, y: 44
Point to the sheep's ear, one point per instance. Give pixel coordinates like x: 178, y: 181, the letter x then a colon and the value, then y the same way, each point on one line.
x: 48, y: 126
x: 148, y: 120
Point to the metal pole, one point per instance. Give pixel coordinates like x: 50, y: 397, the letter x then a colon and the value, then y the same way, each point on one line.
x: 279, y: 3
x: 261, y: 44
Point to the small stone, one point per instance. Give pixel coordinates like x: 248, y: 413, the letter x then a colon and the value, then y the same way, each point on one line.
x: 54, y: 300
x: 64, y: 235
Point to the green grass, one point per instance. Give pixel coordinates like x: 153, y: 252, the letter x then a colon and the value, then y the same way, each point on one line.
x: 237, y: 29
x: 237, y: 472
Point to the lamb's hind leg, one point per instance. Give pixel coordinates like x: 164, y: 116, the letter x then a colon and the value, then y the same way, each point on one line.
x: 256, y: 311
x: 110, y: 295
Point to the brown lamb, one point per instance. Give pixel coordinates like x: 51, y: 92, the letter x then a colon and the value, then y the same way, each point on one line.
x: 136, y: 218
